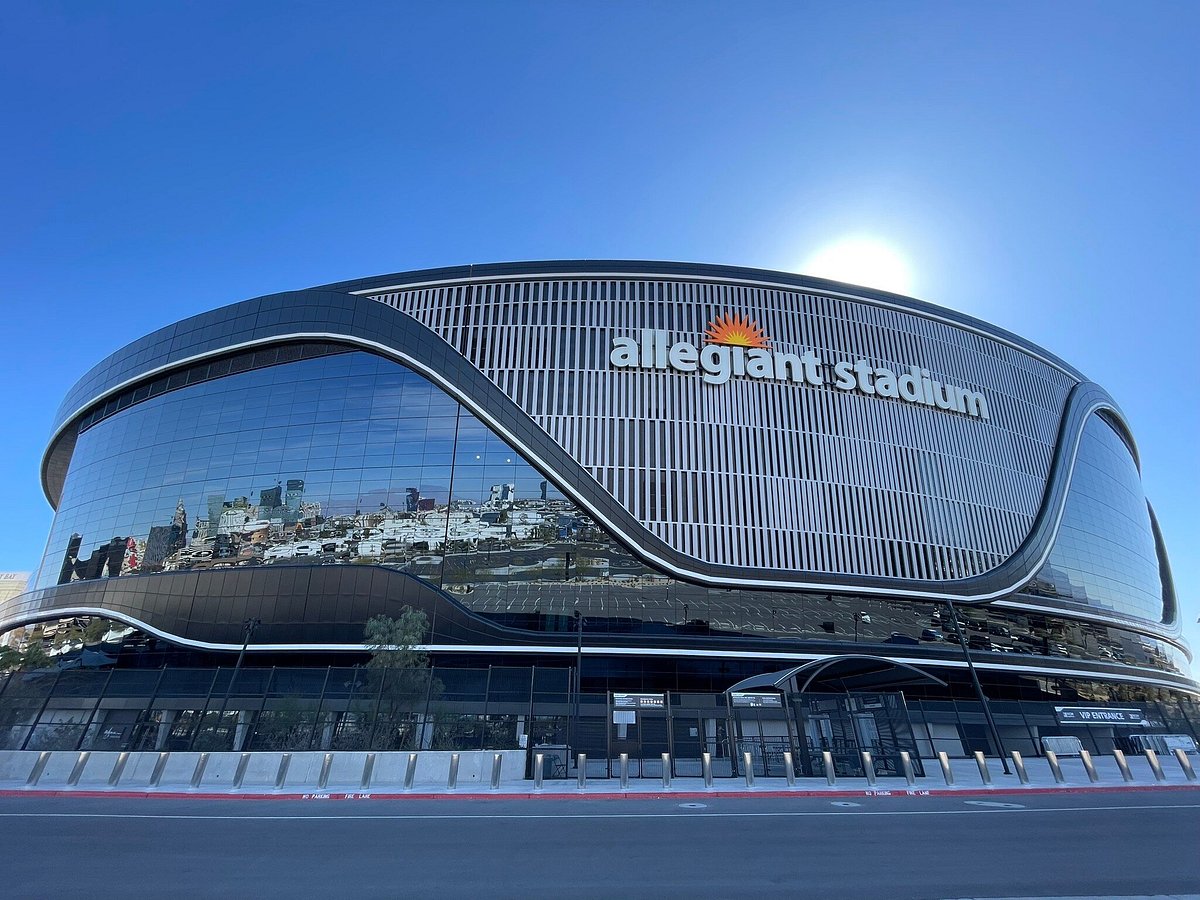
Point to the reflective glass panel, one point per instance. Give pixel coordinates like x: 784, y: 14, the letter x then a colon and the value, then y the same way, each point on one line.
x: 1105, y: 553
x: 353, y: 459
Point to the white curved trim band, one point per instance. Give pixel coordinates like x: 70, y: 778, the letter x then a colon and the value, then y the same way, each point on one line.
x: 619, y: 651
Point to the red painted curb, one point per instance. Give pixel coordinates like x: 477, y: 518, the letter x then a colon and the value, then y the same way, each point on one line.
x: 607, y: 795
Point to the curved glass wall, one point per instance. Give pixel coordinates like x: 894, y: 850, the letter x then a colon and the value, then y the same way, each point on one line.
x: 1105, y: 553
x: 352, y: 459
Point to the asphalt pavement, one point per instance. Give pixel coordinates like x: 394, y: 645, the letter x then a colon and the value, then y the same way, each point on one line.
x: 1094, y: 844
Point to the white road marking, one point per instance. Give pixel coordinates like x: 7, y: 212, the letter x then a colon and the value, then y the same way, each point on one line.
x: 994, y: 803
x: 666, y: 815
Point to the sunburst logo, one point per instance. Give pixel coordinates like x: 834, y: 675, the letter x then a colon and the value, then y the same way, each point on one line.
x: 735, y: 330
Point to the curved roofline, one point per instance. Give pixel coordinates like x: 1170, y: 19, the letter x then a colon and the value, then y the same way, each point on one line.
x: 697, y: 271
x: 816, y: 667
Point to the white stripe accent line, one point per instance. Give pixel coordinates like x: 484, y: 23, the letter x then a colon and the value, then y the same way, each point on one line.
x: 613, y: 651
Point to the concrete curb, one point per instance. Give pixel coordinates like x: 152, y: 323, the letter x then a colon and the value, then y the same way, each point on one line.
x: 600, y: 795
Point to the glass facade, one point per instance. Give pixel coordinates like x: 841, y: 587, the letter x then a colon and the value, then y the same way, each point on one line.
x: 347, y: 458
x: 355, y: 708
x: 1106, y: 554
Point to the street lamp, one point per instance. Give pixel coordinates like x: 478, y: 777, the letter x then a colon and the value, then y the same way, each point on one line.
x: 860, y: 616
x: 250, y: 625
x: 578, y: 679
x: 983, y: 700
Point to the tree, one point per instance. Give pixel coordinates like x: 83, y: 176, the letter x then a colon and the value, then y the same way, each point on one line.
x: 33, y: 657
x: 393, y: 642
x: 405, y: 681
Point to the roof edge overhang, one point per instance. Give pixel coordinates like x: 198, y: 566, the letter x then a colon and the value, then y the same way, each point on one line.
x: 806, y: 673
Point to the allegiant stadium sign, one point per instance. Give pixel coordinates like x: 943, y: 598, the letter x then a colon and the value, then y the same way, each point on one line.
x: 736, y: 347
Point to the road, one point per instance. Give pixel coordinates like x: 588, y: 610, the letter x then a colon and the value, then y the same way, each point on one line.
x: 1111, y: 844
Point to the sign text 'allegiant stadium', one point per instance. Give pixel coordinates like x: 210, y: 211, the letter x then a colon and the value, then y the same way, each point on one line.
x: 717, y: 363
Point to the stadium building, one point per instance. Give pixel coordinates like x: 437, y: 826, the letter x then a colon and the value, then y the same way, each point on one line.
x: 674, y: 479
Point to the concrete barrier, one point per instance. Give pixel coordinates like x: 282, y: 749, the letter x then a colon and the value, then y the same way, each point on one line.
x: 139, y: 770
x: 345, y: 771
x: 98, y: 769
x: 58, y: 769
x: 259, y: 770
x: 177, y: 775
x: 15, y: 765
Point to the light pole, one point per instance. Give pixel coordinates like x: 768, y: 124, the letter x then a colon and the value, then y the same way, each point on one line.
x: 249, y: 625
x: 860, y: 616
x: 578, y: 679
x: 983, y: 700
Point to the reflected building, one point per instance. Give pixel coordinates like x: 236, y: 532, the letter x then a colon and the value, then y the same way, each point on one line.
x: 12, y: 584
x: 724, y: 471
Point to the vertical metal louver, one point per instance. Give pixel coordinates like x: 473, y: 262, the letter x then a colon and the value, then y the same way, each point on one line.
x: 763, y: 474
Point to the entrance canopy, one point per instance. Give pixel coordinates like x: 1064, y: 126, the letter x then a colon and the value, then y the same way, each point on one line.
x: 840, y: 673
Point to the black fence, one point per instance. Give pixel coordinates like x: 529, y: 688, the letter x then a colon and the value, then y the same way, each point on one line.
x: 530, y: 708
x: 284, y: 709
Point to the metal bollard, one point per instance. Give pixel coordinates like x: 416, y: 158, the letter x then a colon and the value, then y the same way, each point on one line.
x: 77, y: 769
x: 581, y: 770
x: 868, y: 766
x: 326, y: 765
x: 1089, y: 766
x: 1186, y: 764
x: 624, y: 770
x: 159, y: 767
x: 368, y: 772
x: 410, y: 772
x: 906, y: 764
x: 497, y: 763
x: 947, y: 772
x: 240, y: 775
x: 38, y: 768
x: 706, y: 768
x: 981, y: 761
x: 1122, y: 764
x: 452, y: 777
x: 1155, y: 766
x: 1019, y: 765
x: 1055, y: 768
x: 198, y: 772
x: 789, y: 770
x: 827, y: 762
x: 666, y: 770
x: 748, y: 767
x: 285, y: 763
x: 539, y: 767
x: 119, y: 767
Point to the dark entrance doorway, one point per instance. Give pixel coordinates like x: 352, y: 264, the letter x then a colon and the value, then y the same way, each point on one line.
x: 699, y: 724
x: 841, y: 705
x: 639, y: 724
x: 763, y: 727
x: 847, y: 724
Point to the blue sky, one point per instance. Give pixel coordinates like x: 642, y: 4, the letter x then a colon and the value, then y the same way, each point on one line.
x: 1035, y: 163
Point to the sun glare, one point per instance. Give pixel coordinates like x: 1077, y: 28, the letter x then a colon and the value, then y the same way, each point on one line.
x: 863, y: 261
